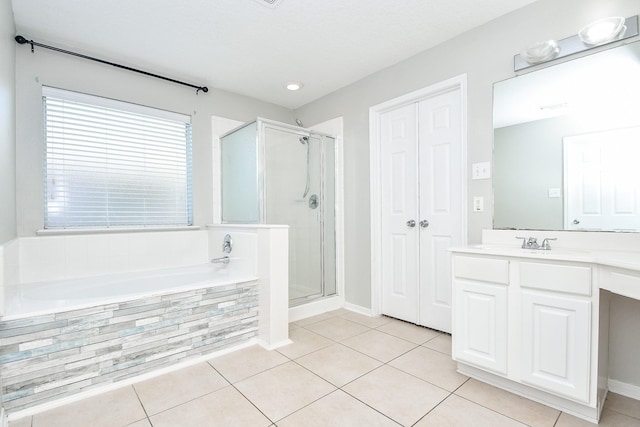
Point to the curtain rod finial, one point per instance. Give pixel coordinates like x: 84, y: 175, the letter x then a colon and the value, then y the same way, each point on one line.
x: 21, y: 40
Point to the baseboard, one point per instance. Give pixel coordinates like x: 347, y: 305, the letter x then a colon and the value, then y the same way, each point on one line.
x: 625, y: 389
x: 275, y: 346
x: 358, y: 309
x: 314, y: 308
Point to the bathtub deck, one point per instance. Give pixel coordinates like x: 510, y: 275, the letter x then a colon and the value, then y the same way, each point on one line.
x: 56, y: 355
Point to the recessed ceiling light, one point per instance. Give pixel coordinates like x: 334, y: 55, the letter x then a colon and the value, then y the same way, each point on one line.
x: 269, y: 3
x: 294, y: 85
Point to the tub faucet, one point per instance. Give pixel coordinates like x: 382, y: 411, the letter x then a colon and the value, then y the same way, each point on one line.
x: 222, y: 260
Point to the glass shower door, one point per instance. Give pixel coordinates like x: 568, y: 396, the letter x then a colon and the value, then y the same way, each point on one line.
x: 292, y: 168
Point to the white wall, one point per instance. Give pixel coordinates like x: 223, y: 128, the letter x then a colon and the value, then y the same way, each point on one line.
x: 486, y: 55
x: 7, y: 124
x: 45, y: 67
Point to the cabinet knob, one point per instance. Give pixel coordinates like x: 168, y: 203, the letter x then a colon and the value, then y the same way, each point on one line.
x: 411, y: 223
x: 424, y: 223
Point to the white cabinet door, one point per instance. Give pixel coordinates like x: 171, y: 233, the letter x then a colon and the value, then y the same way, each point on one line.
x: 421, y: 207
x: 441, y: 200
x: 399, y: 204
x: 556, y: 342
x: 480, y: 324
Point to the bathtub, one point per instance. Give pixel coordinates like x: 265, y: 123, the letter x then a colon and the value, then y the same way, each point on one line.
x: 62, y: 295
x: 62, y: 338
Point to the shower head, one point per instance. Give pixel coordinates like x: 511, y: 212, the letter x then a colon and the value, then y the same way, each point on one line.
x: 303, y: 139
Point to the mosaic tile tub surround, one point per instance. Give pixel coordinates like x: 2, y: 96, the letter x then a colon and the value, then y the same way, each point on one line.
x: 52, y: 356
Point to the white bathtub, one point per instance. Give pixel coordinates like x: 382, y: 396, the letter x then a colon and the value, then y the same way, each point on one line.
x: 31, y: 299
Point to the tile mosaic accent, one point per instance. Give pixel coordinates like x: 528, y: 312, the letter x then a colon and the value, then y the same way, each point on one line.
x: 48, y: 357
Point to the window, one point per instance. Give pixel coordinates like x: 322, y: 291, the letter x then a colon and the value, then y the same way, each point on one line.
x: 114, y: 164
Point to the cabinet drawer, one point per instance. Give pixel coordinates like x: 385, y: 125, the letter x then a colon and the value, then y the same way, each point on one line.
x: 483, y: 269
x: 573, y: 279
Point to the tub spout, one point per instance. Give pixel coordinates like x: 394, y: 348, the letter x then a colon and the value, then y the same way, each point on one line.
x: 221, y: 260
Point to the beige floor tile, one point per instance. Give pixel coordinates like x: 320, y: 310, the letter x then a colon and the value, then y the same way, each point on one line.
x: 338, y: 364
x: 623, y: 405
x: 337, y: 328
x: 304, y: 342
x: 431, y: 366
x: 175, y: 388
x: 408, y: 331
x: 244, y: 363
x: 441, y: 343
x: 338, y: 409
x: 112, y: 409
x: 398, y: 395
x: 609, y: 418
x: 313, y: 319
x: 379, y: 345
x: 224, y: 408
x: 141, y: 423
x: 284, y: 389
x: 513, y: 406
x: 372, y: 322
x: 22, y: 422
x: 458, y: 412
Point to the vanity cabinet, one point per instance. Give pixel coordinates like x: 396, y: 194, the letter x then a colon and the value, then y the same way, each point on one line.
x: 529, y: 326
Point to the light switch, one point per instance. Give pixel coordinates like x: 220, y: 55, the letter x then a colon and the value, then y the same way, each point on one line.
x: 481, y: 170
x: 478, y: 204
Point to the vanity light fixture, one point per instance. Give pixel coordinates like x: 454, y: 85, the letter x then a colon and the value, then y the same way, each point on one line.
x: 598, y: 33
x: 294, y: 86
x: 540, y: 52
x: 602, y: 31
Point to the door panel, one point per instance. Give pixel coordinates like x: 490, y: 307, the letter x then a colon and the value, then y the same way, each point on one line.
x: 556, y: 344
x: 440, y: 142
x: 481, y: 334
x: 399, y: 205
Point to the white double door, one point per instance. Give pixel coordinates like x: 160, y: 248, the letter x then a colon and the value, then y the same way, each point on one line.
x: 421, y: 203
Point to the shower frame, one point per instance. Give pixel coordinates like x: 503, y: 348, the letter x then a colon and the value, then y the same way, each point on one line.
x: 262, y: 125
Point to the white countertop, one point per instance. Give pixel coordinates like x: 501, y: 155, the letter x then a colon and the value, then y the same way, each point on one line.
x: 619, y: 259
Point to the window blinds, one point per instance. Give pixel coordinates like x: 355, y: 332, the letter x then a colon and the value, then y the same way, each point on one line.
x: 114, y: 164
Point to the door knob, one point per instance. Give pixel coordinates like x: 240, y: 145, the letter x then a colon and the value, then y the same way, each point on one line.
x: 411, y: 223
x: 575, y: 221
x: 424, y: 223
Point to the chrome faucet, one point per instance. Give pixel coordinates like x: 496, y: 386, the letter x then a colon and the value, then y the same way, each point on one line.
x: 532, y: 243
x: 222, y: 260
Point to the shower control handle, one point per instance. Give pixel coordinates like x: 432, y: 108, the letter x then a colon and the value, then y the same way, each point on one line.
x: 411, y: 223
x: 424, y: 223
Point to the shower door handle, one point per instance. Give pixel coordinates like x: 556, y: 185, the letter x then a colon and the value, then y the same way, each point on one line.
x: 411, y: 223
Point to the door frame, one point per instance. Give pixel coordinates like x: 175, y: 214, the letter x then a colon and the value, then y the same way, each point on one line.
x: 375, y: 140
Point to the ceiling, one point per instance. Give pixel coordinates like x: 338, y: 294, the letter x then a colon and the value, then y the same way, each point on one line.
x: 250, y: 48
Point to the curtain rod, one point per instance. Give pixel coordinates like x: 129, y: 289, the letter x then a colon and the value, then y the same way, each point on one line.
x: 21, y: 40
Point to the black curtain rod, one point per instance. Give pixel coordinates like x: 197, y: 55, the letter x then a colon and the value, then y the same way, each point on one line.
x: 22, y: 40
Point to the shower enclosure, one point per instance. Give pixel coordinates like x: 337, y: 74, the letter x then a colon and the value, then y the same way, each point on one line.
x: 273, y: 173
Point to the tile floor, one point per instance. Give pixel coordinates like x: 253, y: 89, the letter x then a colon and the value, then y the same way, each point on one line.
x: 344, y: 369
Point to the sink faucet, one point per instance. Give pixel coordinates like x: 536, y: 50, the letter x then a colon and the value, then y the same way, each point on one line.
x: 222, y: 260
x: 532, y: 243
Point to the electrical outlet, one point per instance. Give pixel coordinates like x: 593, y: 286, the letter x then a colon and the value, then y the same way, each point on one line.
x: 554, y: 193
x: 481, y: 170
x: 478, y: 204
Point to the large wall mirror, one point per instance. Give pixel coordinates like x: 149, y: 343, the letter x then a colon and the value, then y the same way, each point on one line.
x: 566, y: 150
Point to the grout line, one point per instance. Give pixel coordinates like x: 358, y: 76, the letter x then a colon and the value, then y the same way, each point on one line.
x: 142, y: 405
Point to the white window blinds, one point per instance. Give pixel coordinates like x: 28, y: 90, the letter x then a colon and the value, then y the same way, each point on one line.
x: 113, y: 164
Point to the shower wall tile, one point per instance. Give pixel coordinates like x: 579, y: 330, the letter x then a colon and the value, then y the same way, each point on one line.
x: 48, y: 357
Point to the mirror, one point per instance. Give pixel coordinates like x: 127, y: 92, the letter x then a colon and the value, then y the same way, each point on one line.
x: 566, y: 152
